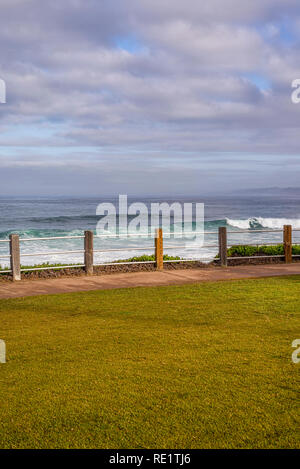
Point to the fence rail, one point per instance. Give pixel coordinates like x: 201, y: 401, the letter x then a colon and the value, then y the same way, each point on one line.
x: 222, y: 234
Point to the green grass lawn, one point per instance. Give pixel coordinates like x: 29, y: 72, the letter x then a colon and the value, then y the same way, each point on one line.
x: 197, y: 366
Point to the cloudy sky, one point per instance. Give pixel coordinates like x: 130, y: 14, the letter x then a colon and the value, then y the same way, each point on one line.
x: 148, y: 96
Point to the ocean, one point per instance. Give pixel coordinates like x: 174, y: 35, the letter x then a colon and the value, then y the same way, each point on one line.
x: 52, y: 217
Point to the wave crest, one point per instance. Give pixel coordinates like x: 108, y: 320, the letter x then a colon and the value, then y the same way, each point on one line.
x: 260, y: 222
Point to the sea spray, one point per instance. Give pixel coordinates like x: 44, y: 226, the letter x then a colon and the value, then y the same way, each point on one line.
x: 260, y: 222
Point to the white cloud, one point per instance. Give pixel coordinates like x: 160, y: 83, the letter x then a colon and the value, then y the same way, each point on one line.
x: 191, y: 85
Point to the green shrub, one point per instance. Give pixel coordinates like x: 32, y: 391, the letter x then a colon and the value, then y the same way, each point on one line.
x: 247, y: 251
x: 147, y: 258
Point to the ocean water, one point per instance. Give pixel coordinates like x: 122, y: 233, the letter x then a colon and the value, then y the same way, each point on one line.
x: 52, y: 217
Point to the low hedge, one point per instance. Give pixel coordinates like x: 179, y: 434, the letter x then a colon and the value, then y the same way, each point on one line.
x: 247, y: 251
x: 147, y: 258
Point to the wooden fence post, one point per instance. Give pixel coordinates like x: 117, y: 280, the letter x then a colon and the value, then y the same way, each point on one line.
x: 287, y: 243
x: 223, y: 245
x: 159, y: 250
x: 89, y: 252
x: 15, y: 265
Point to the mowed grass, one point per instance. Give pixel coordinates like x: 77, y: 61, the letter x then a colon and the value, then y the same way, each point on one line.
x: 197, y: 366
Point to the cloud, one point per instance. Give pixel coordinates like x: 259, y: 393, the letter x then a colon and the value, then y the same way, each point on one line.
x: 146, y: 78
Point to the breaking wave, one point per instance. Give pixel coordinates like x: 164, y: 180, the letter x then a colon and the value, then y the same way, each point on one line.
x: 259, y: 223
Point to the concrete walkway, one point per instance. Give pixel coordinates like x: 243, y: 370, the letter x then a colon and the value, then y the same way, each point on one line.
x: 142, y: 279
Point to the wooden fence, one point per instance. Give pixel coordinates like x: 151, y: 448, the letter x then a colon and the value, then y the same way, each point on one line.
x: 88, y: 251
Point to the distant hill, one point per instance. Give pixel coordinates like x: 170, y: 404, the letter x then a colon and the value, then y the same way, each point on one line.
x: 292, y: 191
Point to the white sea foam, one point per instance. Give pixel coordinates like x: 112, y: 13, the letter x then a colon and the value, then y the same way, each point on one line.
x: 260, y: 222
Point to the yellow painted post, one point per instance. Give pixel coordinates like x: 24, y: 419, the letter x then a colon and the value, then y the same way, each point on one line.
x: 159, y: 250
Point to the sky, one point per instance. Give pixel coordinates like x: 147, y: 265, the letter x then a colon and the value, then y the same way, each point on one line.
x: 171, y: 97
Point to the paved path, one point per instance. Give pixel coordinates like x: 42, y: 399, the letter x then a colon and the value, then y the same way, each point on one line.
x: 142, y: 279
